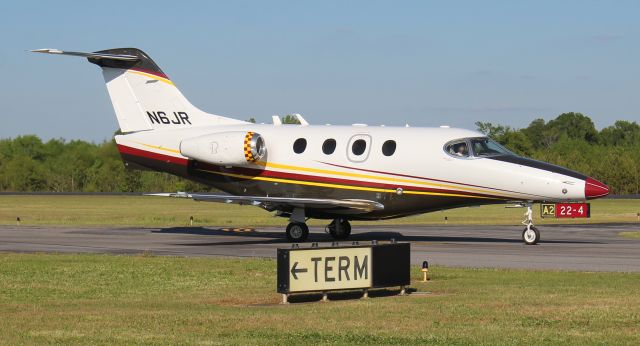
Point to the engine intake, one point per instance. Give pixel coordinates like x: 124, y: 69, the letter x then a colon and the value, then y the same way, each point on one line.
x: 234, y: 148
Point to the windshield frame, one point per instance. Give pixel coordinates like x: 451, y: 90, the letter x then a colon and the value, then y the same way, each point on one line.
x: 472, y: 152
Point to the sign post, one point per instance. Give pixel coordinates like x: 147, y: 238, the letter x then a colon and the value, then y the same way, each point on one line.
x: 343, y: 268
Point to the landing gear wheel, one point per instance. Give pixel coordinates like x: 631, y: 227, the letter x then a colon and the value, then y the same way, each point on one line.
x: 297, y: 232
x: 340, y: 229
x: 531, y: 235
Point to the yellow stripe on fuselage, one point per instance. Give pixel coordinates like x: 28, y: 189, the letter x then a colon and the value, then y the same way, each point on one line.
x: 160, y: 148
x: 149, y: 75
x: 337, y: 186
x: 368, y: 176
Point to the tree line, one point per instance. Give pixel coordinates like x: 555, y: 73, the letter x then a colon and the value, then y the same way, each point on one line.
x: 611, y: 155
x: 27, y: 164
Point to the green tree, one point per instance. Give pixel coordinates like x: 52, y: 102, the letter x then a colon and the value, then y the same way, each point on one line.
x: 493, y: 131
x: 512, y: 139
x: 621, y: 133
x: 575, y: 126
x: 23, y: 173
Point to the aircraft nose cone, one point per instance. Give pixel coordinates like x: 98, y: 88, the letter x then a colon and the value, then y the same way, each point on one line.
x: 595, y: 189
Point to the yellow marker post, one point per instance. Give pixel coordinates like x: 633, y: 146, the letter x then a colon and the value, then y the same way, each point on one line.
x: 425, y: 271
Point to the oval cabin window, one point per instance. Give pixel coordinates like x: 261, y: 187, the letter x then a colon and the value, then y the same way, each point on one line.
x: 299, y: 145
x: 389, y: 147
x: 329, y: 146
x: 358, y: 147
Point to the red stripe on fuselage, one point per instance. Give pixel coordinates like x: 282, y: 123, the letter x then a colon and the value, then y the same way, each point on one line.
x: 418, y: 177
x: 252, y: 172
x: 330, y: 180
x: 151, y: 155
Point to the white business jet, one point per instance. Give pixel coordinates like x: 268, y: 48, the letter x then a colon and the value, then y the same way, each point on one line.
x: 339, y: 173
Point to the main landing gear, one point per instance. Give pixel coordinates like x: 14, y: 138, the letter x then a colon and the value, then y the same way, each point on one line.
x: 339, y: 229
x: 530, y: 235
x: 298, y: 231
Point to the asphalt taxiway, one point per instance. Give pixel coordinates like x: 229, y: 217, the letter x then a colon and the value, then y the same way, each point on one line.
x: 563, y: 247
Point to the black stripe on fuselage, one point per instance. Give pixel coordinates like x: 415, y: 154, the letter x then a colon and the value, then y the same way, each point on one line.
x: 538, y: 164
x: 395, y: 205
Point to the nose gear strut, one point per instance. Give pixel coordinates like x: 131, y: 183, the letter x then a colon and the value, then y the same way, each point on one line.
x: 530, y: 235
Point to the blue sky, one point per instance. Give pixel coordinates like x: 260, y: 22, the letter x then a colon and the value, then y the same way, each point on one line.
x: 425, y: 63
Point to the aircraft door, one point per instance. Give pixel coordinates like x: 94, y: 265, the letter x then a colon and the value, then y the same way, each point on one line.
x: 359, y: 148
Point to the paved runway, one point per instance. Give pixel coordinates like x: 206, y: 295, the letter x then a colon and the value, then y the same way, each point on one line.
x: 563, y: 247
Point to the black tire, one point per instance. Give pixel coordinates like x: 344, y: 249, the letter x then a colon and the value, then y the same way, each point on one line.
x: 343, y: 231
x: 532, y: 237
x: 297, y: 232
x: 346, y: 229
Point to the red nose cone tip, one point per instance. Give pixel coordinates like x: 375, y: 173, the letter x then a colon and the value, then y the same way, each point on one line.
x: 595, y: 189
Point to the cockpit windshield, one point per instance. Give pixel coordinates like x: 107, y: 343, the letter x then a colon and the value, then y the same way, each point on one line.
x: 486, y: 147
x: 475, y: 147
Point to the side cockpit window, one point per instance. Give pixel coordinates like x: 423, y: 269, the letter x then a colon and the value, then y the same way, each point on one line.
x: 458, y: 148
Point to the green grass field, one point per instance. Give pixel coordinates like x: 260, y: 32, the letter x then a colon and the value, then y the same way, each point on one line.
x: 106, y: 299
x: 170, y: 212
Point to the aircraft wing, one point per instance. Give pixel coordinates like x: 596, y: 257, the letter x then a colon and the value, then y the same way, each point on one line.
x: 348, y: 206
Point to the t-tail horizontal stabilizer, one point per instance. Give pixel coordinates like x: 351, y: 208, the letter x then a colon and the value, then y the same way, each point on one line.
x: 95, y: 55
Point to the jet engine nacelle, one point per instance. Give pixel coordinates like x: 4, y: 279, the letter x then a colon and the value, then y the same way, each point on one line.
x: 234, y: 148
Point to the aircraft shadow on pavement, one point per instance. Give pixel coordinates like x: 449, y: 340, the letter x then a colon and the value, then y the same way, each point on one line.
x: 273, y: 237
x: 454, y: 239
x: 245, y: 232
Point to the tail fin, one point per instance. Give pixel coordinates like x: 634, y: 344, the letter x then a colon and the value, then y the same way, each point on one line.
x: 143, y: 97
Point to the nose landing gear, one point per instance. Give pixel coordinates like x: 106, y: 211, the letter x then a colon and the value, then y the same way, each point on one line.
x: 530, y: 235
